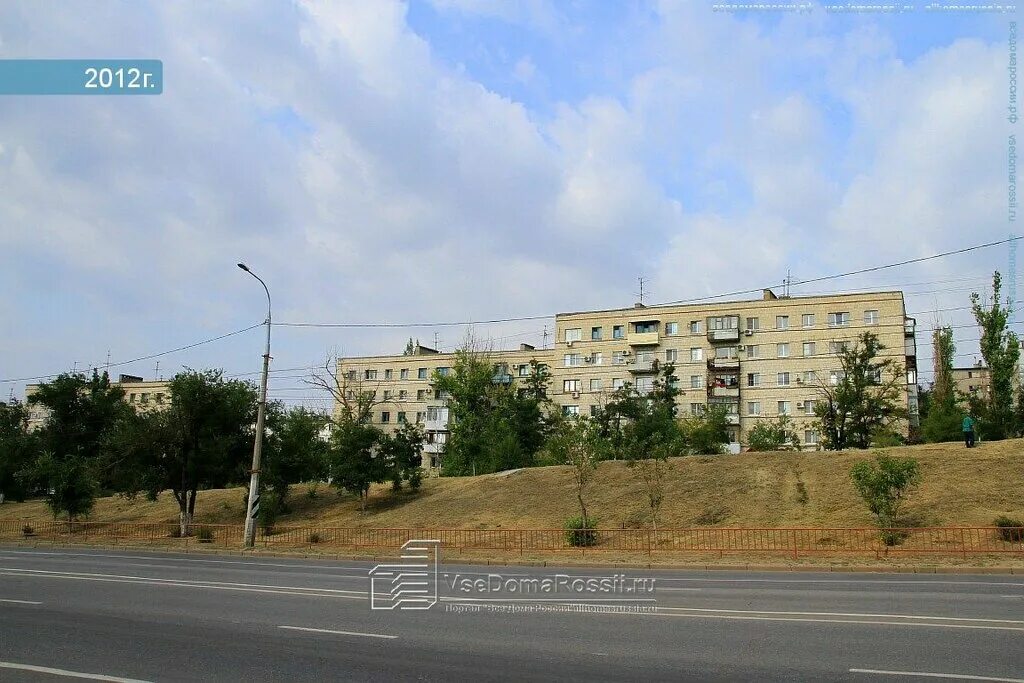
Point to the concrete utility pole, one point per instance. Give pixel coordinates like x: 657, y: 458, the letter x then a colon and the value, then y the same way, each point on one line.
x: 253, y: 505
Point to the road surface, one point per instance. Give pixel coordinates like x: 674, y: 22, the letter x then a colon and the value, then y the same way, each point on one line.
x: 66, y: 614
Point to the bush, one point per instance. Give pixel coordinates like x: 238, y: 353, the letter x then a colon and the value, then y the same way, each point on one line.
x: 314, y: 538
x: 175, y: 532
x: 884, y: 485
x: 27, y: 530
x: 204, y: 534
x: 580, y: 532
x: 1010, y: 530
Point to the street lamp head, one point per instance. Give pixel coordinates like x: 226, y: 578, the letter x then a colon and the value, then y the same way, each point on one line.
x: 244, y: 267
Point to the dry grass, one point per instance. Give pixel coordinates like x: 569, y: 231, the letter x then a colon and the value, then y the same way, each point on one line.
x: 959, y: 487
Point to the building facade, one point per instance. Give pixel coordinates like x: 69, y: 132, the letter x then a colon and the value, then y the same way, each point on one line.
x: 141, y: 394
x: 974, y: 380
x: 756, y: 359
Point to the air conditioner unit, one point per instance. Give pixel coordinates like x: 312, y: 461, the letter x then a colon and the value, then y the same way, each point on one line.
x: 568, y: 344
x: 627, y: 352
x: 800, y: 405
x: 588, y: 359
x: 748, y: 333
x: 575, y: 394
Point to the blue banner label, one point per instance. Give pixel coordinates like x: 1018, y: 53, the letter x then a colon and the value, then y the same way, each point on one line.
x: 81, y: 76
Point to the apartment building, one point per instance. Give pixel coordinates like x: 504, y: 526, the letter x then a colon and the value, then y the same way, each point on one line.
x: 142, y: 394
x: 756, y: 359
x: 974, y: 380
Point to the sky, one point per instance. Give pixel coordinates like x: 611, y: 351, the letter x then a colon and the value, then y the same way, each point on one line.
x: 469, y: 160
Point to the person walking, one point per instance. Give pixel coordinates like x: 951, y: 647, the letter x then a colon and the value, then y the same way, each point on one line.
x: 968, y: 426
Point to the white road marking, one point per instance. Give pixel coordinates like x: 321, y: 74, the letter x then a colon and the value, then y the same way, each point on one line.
x: 67, y: 674
x: 914, y: 617
x: 20, y: 602
x: 181, y: 559
x: 928, y: 674
x: 854, y: 622
x: 339, y: 633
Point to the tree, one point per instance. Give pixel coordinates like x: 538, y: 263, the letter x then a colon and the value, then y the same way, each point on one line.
x: 80, y: 414
x: 403, y: 459
x: 636, y: 424
x: 941, y: 422
x: 294, y: 452
x: 774, y: 436
x: 355, y: 460
x: 410, y: 348
x: 865, y: 398
x: 884, y: 485
x: 19, y: 450
x: 1001, y: 350
x: 707, y: 434
x: 578, y: 444
x: 202, y: 440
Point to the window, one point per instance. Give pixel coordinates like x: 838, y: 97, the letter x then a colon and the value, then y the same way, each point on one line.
x: 753, y: 379
x: 724, y: 322
x: 875, y: 376
x: 403, y: 395
x: 420, y: 416
x: 870, y: 317
x: 644, y: 385
x: 753, y: 407
x: 782, y: 350
x: 811, y: 436
x: 159, y: 398
x: 403, y: 373
x: 443, y: 372
x: 573, y: 334
x: 435, y: 413
x: 694, y: 327
x: 388, y: 374
x: 442, y: 394
x: 696, y: 381
x: 570, y: 386
x: 783, y: 407
x: 753, y: 324
x: 421, y: 394
x: 841, y: 319
x: 671, y: 328
x: 645, y: 327
x: 144, y: 398
x: 783, y: 378
x: 616, y: 384
x: 671, y: 355
x: 573, y: 359
x: 618, y: 332
x: 596, y: 358
x: 808, y: 349
x: 570, y: 411
x: 837, y: 347
x: 807, y: 320
x: 595, y: 411
x: 810, y: 377
x: 618, y: 357
x: 385, y: 417
x: 595, y: 385
x: 131, y: 398
x: 696, y: 409
x: 725, y: 352
x: 836, y: 376
x: 809, y: 406
x: 696, y: 355
x: 782, y: 322
x: 351, y: 374
x: 524, y: 370
x: 421, y: 373
x: 401, y: 417
x: 387, y: 394
x: 596, y: 333
x: 369, y: 374
x: 753, y: 351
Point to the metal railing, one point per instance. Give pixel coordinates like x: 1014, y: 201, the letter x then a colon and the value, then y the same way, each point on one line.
x: 794, y: 542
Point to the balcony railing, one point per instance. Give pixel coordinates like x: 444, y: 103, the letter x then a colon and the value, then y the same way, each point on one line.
x: 715, y: 336
x: 642, y: 338
x: 502, y: 378
x: 642, y: 366
x: 732, y: 419
x: 724, y: 392
x: 724, y: 363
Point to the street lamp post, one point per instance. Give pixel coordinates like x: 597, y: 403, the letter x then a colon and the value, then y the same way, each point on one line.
x: 253, y: 505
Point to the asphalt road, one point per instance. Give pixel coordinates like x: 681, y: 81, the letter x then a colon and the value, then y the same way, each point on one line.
x: 128, y: 615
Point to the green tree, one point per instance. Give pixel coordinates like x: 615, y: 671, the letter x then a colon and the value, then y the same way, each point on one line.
x: 578, y: 444
x: 294, y: 452
x: 403, y: 459
x: 866, y: 399
x: 884, y: 485
x: 355, y: 459
x: 708, y: 433
x: 635, y: 424
x: 80, y: 415
x: 19, y: 451
x: 202, y: 440
x: 941, y: 422
x: 773, y: 436
x: 1001, y: 350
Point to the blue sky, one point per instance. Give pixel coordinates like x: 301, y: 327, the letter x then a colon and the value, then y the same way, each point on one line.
x: 473, y: 159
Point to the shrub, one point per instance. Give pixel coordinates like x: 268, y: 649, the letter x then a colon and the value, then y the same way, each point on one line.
x: 175, y: 532
x: 1010, y: 530
x: 312, y: 492
x: 27, y: 530
x: 580, y: 532
x: 204, y: 534
x: 884, y: 484
x: 314, y: 538
x: 802, y: 496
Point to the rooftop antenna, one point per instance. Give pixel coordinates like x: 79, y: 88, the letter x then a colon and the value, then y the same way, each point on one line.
x: 107, y: 366
x: 544, y: 343
x: 641, y: 292
x: 156, y: 373
x: 436, y: 347
x: 786, y: 283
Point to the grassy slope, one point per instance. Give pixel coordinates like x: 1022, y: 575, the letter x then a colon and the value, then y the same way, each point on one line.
x: 959, y: 487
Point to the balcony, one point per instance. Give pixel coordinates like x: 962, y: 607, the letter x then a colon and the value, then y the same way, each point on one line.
x: 644, y: 366
x: 718, y: 336
x: 724, y: 392
x: 724, y: 363
x: 502, y: 378
x: 642, y: 338
x: 439, y: 423
x: 909, y: 325
x: 732, y: 419
x: 433, y: 447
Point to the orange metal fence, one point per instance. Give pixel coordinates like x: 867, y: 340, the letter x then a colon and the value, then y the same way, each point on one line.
x: 795, y: 542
